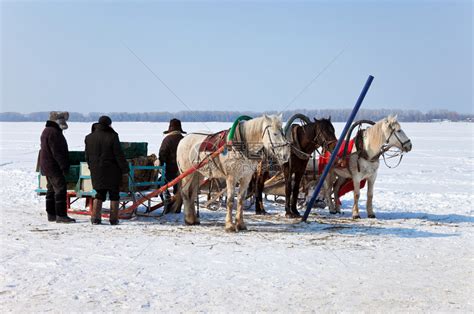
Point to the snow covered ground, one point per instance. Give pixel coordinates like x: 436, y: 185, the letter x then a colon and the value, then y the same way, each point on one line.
x: 416, y: 256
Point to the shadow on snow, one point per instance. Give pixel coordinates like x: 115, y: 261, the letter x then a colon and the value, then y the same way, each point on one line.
x: 399, y: 213
x: 276, y: 223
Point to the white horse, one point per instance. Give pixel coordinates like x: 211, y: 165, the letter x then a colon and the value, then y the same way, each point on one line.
x: 363, y: 164
x: 237, y: 165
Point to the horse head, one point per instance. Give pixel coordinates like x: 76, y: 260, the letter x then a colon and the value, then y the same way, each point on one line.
x: 325, y: 135
x: 394, y: 134
x: 273, y: 138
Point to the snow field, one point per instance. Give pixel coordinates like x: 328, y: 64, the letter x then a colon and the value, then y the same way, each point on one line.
x: 416, y: 256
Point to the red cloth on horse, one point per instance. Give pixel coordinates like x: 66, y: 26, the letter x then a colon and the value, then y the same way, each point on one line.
x: 348, y: 184
x: 213, y: 141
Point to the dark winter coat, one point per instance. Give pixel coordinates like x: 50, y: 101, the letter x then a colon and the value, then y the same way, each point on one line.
x: 54, y: 154
x: 105, y: 158
x: 168, y: 154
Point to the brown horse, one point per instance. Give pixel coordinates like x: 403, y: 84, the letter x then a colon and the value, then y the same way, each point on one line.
x: 304, y: 140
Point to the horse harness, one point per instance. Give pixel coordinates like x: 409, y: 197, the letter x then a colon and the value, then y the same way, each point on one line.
x: 296, y: 145
x: 286, y: 143
x: 239, y: 145
x: 362, y: 152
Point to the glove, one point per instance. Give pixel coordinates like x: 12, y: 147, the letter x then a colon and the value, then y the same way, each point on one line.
x: 157, y: 163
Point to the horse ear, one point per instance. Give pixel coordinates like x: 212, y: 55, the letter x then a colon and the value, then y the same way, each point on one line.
x: 280, y: 116
x: 315, y: 120
x: 329, y: 118
x: 395, y: 117
x: 392, y: 118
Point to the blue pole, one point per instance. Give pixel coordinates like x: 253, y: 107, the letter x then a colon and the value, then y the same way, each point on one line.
x: 338, y: 146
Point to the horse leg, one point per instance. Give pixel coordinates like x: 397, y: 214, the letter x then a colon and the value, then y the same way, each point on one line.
x: 295, y: 192
x: 287, y: 172
x: 260, y: 178
x: 339, y: 182
x: 190, y: 185
x: 328, y: 190
x: 239, y: 218
x: 229, y: 225
x: 355, y: 207
x: 370, y: 195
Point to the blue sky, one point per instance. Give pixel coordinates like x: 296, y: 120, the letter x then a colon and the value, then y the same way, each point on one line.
x: 72, y: 55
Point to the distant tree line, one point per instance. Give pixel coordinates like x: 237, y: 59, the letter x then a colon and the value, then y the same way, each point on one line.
x: 337, y: 115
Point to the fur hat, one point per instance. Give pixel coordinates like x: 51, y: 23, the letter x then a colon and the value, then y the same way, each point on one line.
x: 175, y: 125
x: 60, y: 117
x: 105, y: 121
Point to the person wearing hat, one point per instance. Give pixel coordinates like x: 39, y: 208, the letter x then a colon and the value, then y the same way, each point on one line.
x: 107, y: 165
x: 167, y: 155
x: 54, y: 164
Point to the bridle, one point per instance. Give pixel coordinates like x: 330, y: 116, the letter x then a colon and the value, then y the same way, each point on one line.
x: 273, y: 145
x: 394, y: 132
x: 384, y: 149
x: 318, y: 141
x: 325, y: 145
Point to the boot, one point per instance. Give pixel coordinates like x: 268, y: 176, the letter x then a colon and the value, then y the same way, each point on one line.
x: 61, y: 212
x: 96, y: 213
x: 65, y: 219
x: 50, y: 206
x: 114, y: 211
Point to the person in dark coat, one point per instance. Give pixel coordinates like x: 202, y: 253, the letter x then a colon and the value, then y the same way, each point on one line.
x: 107, y: 165
x: 54, y: 165
x: 167, y: 155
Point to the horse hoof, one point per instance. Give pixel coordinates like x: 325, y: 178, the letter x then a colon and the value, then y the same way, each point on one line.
x: 230, y: 228
x: 191, y: 223
x: 320, y: 204
x: 260, y: 212
x: 356, y: 217
x: 333, y: 212
x: 292, y: 215
x: 240, y: 227
x: 371, y: 216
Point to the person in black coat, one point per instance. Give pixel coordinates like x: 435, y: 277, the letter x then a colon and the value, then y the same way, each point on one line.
x: 107, y: 164
x: 54, y: 164
x: 167, y: 155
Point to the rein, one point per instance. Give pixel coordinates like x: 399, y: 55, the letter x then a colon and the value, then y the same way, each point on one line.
x: 386, y: 149
x: 392, y: 156
x: 362, y: 153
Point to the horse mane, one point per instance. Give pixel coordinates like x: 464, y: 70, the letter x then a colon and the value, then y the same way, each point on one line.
x: 375, y: 135
x: 252, y: 130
